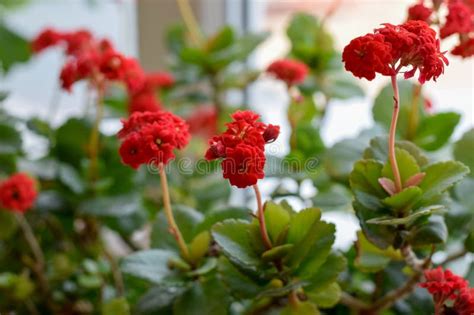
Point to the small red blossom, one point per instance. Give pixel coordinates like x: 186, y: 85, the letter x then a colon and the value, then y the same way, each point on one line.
x: 203, y: 121
x: 77, y: 42
x: 18, y: 193
x: 47, y: 38
x: 393, y: 47
x: 445, y: 286
x: 151, y: 137
x: 143, y: 102
x: 160, y: 79
x: 367, y: 55
x: 459, y: 20
x: 242, y: 148
x: 420, y: 12
x: 465, y: 48
x: 112, y: 65
x: 68, y: 75
x: 243, y: 165
x: 291, y: 72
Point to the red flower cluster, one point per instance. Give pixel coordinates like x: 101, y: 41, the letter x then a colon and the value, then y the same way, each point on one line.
x: 420, y: 12
x: 151, y: 137
x: 445, y: 286
x: 242, y: 148
x: 98, y: 62
x: 459, y: 20
x: 289, y: 71
x: 392, y: 47
x: 18, y: 193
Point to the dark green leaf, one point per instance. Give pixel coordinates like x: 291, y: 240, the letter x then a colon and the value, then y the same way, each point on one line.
x: 14, y: 48
x: 159, y: 297
x: 434, y: 231
x: 223, y: 39
x: 218, y: 215
x: 8, y: 224
x: 112, y: 206
x: 325, y: 297
x: 328, y: 271
x: 365, y: 185
x: 370, y: 258
x: 117, y: 306
x: 404, y: 200
x: 434, y: 131
x: 151, y: 265
x: 406, y: 163
x: 10, y: 139
x: 277, y: 219
x: 240, y: 284
x: 463, y: 150
x: 408, y: 220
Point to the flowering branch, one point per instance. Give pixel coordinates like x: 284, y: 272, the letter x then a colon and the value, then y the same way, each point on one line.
x: 261, y: 218
x: 391, y: 139
x: 173, y: 227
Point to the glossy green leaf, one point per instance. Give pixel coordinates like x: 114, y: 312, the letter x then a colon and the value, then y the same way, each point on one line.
x: 222, y: 39
x: 241, y: 285
x: 370, y: 258
x: 117, y: 306
x: 325, y: 297
x: 150, y: 265
x: 221, y: 214
x: 410, y: 219
x: 199, y: 246
x: 469, y: 242
x: 404, y: 200
x: 328, y: 271
x: 301, y: 224
x: 15, y: 48
x: 364, y: 183
x: 463, y: 150
x: 378, y: 150
x: 277, y: 219
x: 434, y: 231
x: 407, y: 165
x: 277, y: 252
x: 158, y: 297
x: 436, y: 130
x: 235, y: 241
x: 440, y: 177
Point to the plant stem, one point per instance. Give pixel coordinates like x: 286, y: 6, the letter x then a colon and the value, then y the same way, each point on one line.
x: 392, y: 134
x: 190, y: 21
x: 454, y: 256
x: 261, y: 218
x: 173, y: 227
x: 116, y: 273
x: 36, y: 250
x: 414, y: 117
x: 94, y: 138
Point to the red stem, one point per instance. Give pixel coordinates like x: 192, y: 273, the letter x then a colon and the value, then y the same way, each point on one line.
x: 391, y: 139
x: 261, y: 219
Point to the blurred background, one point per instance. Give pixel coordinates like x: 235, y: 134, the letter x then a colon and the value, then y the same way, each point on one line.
x: 137, y: 28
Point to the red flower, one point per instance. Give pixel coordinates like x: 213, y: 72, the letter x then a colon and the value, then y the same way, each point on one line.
x: 68, y: 75
x: 242, y: 147
x: 143, y: 102
x: 465, y: 48
x: 134, y: 77
x: 152, y: 137
x: 18, y: 193
x: 459, y: 20
x: 77, y: 42
x: 289, y: 71
x: 444, y: 286
x: 367, y: 55
x: 420, y: 12
x: 160, y: 79
x: 203, y: 121
x: 243, y: 165
x: 393, y: 47
x: 47, y: 38
x: 112, y: 65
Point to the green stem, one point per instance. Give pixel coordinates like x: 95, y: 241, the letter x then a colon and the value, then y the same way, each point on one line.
x: 173, y: 227
x: 94, y: 138
x: 190, y: 21
x: 261, y: 218
x: 392, y: 134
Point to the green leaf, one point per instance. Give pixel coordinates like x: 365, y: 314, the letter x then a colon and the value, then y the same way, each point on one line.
x: 434, y: 231
x: 302, y: 308
x: 241, y: 286
x: 328, y: 272
x: 325, y: 297
x: 39, y: 127
x: 3, y: 95
x: 440, y: 177
x: 159, y: 297
x: 8, y: 224
x: 383, y: 106
x: 150, y: 265
x: 341, y: 85
x: 10, y: 139
x: 222, y: 39
x: 469, y: 242
x: 221, y: 214
x: 205, y: 297
x: 72, y: 139
x: 176, y: 38
x: 365, y: 185
x: 277, y: 219
x: 404, y: 200
x: 407, y: 165
x: 340, y: 158
x: 436, y: 130
x: 199, y: 247
x: 71, y: 178
x: 463, y: 150
x: 336, y: 197
x: 116, y: 206
x: 235, y: 240
x: 370, y: 258
x: 15, y: 48
x: 301, y: 224
x: 378, y: 150
x: 277, y: 252
x: 117, y: 306
x: 410, y: 219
